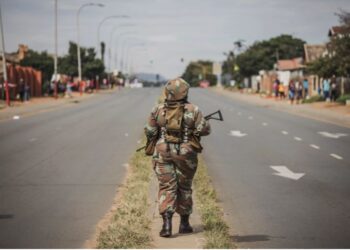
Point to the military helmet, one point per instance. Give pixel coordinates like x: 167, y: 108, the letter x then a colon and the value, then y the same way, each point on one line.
x: 176, y: 89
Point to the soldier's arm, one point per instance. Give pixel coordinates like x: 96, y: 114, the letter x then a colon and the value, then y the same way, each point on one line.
x: 201, y: 124
x: 151, y: 127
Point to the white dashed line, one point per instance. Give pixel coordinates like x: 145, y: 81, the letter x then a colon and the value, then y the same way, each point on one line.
x: 314, y: 146
x: 297, y: 138
x: 16, y: 117
x: 336, y: 156
x: 284, y: 132
x: 264, y: 124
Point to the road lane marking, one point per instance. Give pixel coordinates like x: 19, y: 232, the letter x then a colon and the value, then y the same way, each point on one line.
x: 15, y: 117
x: 265, y: 124
x: 332, y: 135
x: 314, y: 146
x: 283, y: 171
x: 250, y: 118
x: 237, y: 133
x: 336, y: 156
x: 126, y: 134
x: 297, y: 138
x: 284, y: 132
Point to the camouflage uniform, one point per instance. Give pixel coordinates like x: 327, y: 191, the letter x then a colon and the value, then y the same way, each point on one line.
x: 176, y: 164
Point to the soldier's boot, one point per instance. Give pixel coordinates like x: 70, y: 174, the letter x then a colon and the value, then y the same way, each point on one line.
x: 167, y: 226
x: 185, y: 227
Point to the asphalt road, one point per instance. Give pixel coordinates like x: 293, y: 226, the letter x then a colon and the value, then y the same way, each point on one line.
x: 265, y: 210
x: 59, y: 170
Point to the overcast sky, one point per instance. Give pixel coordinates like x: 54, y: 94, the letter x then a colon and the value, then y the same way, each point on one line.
x: 167, y: 30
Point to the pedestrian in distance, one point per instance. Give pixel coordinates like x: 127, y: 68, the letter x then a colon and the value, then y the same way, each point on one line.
x: 299, y: 91
x: 174, y: 128
x: 21, y: 89
x: 306, y: 88
x: 333, y: 89
x: 291, y: 91
x: 281, y: 91
x: 275, y: 87
x: 26, y: 92
x: 326, y: 87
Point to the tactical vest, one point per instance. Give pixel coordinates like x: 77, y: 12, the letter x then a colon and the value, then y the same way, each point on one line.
x: 175, y: 130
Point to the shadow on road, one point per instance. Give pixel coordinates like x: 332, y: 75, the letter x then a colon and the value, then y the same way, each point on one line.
x: 6, y: 216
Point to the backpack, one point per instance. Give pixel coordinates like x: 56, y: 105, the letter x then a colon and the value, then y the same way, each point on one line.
x: 174, y: 112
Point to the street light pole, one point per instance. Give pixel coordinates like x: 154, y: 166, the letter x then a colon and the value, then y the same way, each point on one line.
x: 55, y: 56
x: 116, y: 52
x: 99, y: 28
x: 78, y: 38
x: 4, y: 61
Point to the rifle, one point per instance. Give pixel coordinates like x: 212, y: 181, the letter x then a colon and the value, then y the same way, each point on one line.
x: 207, y: 117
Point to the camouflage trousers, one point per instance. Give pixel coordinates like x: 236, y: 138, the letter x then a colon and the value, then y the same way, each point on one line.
x: 175, y: 168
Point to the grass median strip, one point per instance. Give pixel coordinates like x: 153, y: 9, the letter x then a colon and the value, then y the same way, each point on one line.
x: 216, y: 230
x: 129, y: 226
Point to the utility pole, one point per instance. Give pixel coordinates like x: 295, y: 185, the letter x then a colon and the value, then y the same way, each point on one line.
x: 4, y: 61
x: 55, y: 56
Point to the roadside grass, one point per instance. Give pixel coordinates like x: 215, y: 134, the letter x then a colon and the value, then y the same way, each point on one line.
x: 129, y: 226
x: 216, y: 230
x: 316, y: 98
x: 343, y: 98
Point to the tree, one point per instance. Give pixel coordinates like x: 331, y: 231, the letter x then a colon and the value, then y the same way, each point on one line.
x: 262, y: 55
x: 337, y: 62
x: 90, y: 65
x: 41, y: 61
x: 103, y: 50
x: 197, y: 71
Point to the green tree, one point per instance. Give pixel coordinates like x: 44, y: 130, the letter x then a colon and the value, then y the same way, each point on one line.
x: 337, y: 62
x: 262, y: 55
x: 91, y: 66
x: 41, y: 61
x: 197, y: 71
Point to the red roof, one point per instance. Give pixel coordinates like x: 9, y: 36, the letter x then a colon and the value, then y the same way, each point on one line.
x: 292, y: 64
x: 335, y: 30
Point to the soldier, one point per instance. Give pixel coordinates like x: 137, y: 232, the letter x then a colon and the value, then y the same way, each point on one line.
x: 176, y: 126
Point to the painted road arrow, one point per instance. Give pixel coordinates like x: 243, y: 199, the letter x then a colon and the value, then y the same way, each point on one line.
x: 286, y: 173
x: 237, y: 133
x: 332, y: 135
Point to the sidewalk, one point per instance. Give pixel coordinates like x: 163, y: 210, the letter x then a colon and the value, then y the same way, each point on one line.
x: 327, y: 112
x: 40, y: 104
x: 194, y: 240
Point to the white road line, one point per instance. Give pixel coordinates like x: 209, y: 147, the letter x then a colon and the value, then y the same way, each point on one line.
x: 15, y: 117
x: 284, y: 132
x: 314, y: 146
x: 297, y: 138
x: 336, y: 156
x: 264, y: 124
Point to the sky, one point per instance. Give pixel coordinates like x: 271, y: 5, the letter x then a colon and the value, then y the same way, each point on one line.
x: 158, y: 33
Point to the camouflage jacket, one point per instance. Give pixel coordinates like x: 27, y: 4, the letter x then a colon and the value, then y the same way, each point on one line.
x: 193, y: 118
